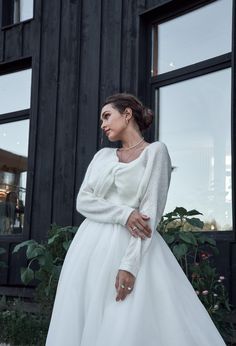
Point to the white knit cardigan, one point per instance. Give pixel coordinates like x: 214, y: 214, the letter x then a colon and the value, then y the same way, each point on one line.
x: 92, y: 203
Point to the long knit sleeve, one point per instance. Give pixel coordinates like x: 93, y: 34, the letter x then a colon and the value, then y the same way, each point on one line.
x: 152, y: 204
x: 97, y: 208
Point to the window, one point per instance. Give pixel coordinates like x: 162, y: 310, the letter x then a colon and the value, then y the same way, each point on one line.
x: 16, y: 11
x: 193, y: 37
x: 196, y: 126
x: 15, y: 90
x: 23, y: 10
x: 191, y: 88
x: 13, y: 175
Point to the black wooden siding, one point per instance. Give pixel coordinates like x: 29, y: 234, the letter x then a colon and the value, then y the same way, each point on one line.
x: 82, y: 51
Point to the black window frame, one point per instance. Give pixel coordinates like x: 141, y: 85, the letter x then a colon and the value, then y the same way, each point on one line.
x: 24, y: 114
x: 147, y: 84
x: 7, y: 7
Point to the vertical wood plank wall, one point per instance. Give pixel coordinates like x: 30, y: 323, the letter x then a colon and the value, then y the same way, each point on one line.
x: 81, y: 51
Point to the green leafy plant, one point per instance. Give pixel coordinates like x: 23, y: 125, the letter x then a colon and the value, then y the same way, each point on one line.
x: 45, y: 262
x: 19, y: 327
x: 194, y: 251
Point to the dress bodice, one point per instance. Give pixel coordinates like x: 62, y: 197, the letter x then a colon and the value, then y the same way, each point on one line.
x: 118, y: 181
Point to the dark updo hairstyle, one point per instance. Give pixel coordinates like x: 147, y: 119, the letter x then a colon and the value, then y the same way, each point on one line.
x: 142, y: 115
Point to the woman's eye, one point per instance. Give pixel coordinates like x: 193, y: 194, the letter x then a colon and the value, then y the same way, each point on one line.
x: 105, y: 116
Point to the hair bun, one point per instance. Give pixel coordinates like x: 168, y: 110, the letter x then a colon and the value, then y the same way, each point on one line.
x: 147, y: 117
x: 142, y: 115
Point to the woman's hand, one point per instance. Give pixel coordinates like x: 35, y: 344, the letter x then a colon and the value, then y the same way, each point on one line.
x: 124, y: 284
x: 137, y: 225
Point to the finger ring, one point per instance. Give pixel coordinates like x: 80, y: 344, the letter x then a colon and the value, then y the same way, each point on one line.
x: 134, y: 228
x: 122, y: 286
x: 129, y: 288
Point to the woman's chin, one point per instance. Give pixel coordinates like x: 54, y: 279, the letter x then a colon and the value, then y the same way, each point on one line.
x: 111, y: 138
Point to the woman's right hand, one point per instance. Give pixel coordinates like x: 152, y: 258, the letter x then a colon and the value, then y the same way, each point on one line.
x: 137, y: 225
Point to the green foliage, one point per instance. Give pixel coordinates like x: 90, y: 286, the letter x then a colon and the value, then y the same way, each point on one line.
x: 21, y: 328
x: 18, y: 326
x: 45, y: 262
x: 194, y: 251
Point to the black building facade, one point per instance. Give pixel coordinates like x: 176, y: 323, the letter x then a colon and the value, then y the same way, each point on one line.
x: 63, y: 58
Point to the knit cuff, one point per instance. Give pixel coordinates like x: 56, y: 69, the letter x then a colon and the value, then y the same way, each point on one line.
x: 123, y: 217
x: 129, y: 268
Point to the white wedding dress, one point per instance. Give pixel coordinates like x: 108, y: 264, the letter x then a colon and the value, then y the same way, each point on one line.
x: 163, y: 308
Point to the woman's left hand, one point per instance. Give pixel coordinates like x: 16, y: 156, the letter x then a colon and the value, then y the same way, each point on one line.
x: 124, y: 284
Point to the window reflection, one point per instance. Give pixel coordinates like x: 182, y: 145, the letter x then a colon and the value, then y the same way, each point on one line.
x: 195, y: 124
x: 13, y: 175
x: 19, y: 85
x: 193, y: 37
x: 23, y: 10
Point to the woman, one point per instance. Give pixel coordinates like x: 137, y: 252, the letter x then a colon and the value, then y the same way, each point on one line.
x: 120, y: 283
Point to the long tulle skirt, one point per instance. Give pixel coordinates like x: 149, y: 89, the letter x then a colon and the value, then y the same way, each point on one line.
x: 162, y: 310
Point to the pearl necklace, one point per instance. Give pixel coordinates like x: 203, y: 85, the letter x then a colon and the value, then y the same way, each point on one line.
x: 133, y: 146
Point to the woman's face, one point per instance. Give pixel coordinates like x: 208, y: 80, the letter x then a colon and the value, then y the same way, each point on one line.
x: 112, y: 122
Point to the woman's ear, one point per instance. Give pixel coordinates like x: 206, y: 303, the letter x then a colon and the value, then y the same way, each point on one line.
x: 128, y: 113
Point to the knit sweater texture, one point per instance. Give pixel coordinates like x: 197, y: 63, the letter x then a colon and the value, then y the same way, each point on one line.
x: 112, y: 190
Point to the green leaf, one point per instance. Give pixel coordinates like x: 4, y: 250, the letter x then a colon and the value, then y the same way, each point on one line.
x: 66, y: 244
x: 40, y: 275
x: 188, y: 237
x: 53, y: 238
x: 181, y: 211
x: 193, y: 212
x: 24, y: 243
x: 34, y: 251
x: 210, y: 241
x: 69, y: 229
x: 174, y: 229
x: 180, y: 250
x: 27, y: 275
x: 201, y: 238
x: 195, y: 222
x: 57, y: 270
x: 41, y: 260
x: 169, y: 238
x: 47, y: 262
x: 169, y: 215
x: 47, y: 290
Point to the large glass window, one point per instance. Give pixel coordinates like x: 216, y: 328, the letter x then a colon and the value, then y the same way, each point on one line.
x: 13, y: 175
x: 15, y: 95
x: 15, y: 91
x: 193, y: 37
x: 196, y: 126
x: 193, y: 106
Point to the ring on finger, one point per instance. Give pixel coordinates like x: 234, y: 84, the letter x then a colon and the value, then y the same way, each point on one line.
x: 129, y: 288
x: 134, y: 228
x: 122, y: 286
